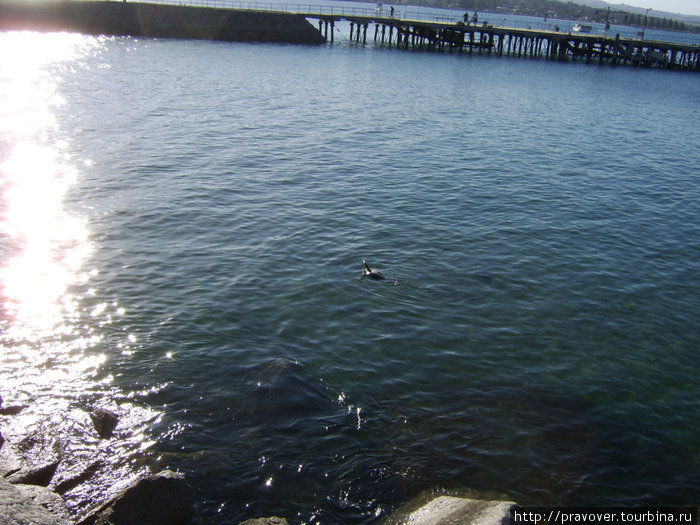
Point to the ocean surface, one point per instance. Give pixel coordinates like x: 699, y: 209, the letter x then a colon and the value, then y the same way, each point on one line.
x: 182, y: 229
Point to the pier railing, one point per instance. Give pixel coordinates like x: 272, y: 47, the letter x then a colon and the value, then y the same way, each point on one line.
x: 311, y: 9
x: 345, y: 11
x: 316, y: 10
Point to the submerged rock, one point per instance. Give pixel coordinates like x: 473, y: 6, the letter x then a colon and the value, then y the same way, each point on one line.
x: 69, y: 483
x: 12, y: 410
x: 162, y: 499
x: 274, y: 520
x: 104, y: 421
x: 199, y: 460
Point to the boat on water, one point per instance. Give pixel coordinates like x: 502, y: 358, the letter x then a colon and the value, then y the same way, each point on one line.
x: 582, y: 28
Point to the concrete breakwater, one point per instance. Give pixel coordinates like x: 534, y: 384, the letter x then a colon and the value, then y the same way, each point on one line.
x: 156, y: 20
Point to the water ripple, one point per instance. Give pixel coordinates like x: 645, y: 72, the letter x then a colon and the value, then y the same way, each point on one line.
x: 535, y: 337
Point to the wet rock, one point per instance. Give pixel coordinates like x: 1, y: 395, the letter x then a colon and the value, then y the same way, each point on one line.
x: 104, y: 421
x: 35, y: 475
x: 19, y: 508
x: 68, y: 484
x: 162, y: 499
x: 200, y: 460
x: 274, y: 520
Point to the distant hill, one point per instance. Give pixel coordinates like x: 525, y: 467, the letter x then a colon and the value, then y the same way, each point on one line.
x: 690, y: 19
x: 594, y: 11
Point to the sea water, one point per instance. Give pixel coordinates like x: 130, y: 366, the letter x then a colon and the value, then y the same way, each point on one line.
x: 183, y: 227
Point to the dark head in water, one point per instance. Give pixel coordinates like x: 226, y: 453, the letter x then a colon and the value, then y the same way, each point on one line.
x: 371, y: 274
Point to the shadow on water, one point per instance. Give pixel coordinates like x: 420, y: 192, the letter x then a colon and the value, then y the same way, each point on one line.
x: 537, y: 444
x: 284, y: 442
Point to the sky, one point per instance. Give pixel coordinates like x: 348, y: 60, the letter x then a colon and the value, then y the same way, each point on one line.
x: 686, y: 7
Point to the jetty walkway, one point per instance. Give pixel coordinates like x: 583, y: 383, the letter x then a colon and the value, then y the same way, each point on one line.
x: 518, y: 42
x: 387, y: 28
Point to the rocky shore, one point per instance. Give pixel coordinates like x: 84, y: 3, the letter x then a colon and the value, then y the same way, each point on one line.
x: 29, y: 494
x: 32, y: 494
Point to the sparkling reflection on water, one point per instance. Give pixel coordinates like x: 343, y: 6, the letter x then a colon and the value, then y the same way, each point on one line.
x: 51, y: 327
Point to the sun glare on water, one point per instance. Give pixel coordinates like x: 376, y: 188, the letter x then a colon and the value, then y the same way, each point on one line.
x: 51, y: 319
x: 49, y: 244
x: 44, y: 245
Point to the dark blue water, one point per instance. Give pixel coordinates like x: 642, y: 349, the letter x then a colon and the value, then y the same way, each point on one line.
x: 536, y: 338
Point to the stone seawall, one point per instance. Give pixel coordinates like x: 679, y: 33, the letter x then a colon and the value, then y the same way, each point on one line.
x: 153, y: 20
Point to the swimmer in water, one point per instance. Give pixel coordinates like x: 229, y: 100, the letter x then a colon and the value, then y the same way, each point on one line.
x: 371, y: 274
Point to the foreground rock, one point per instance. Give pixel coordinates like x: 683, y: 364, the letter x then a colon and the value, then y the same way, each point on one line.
x: 450, y: 510
x: 29, y: 505
x: 47, y: 499
x: 162, y: 499
x: 9, y: 462
x: 24, y: 498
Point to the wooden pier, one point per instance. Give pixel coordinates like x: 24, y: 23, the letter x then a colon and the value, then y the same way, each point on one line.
x: 504, y: 41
